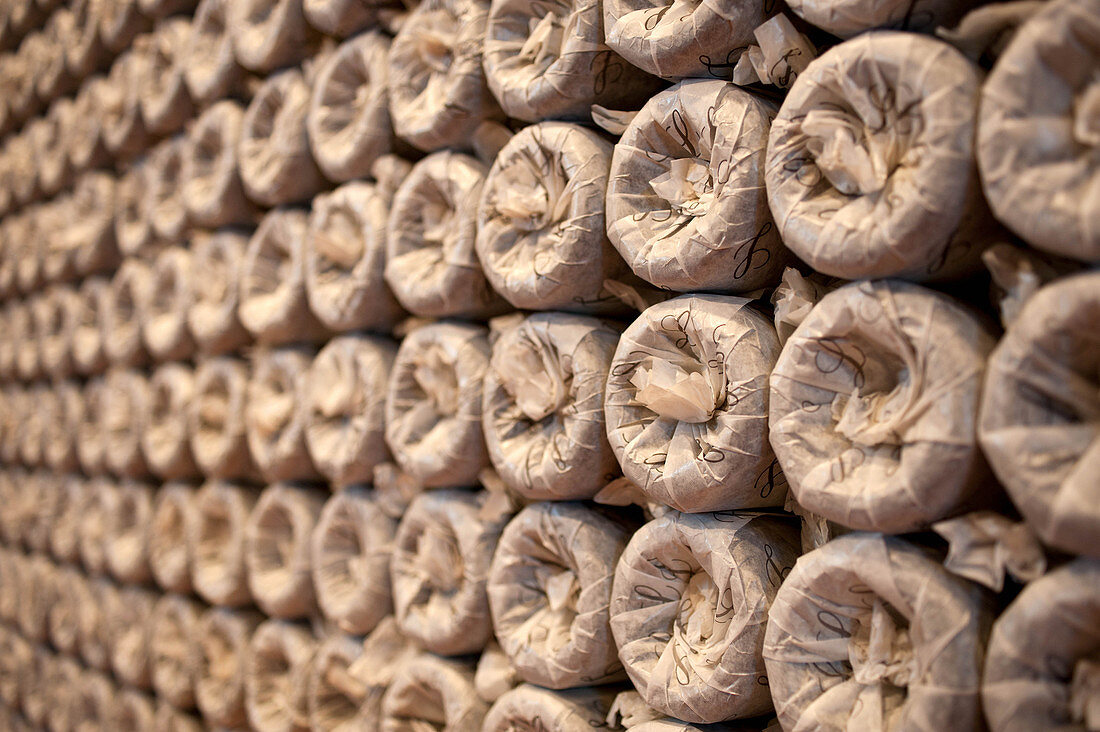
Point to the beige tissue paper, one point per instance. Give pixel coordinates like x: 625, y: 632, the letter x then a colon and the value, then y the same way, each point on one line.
x: 531, y: 707
x: 345, y: 404
x: 543, y: 406
x: 277, y: 549
x: 440, y: 569
x: 847, y: 18
x: 870, y: 166
x: 346, y: 252
x: 166, y: 440
x: 550, y: 61
x: 541, y: 237
x: 873, y: 407
x: 870, y: 632
x: 431, y: 264
x: 687, y: 404
x: 349, y: 117
x: 686, y: 205
x: 275, y: 413
x: 1039, y: 129
x: 549, y: 590
x: 689, y: 609
x: 680, y: 39
x: 437, y: 88
x: 1041, y: 410
x: 350, y: 560
x: 428, y: 692
x: 223, y: 639
x: 211, y: 181
x: 433, y: 406
x: 1041, y: 670
x: 278, y: 663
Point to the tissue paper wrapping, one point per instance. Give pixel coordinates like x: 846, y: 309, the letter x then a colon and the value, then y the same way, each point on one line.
x: 222, y: 645
x: 277, y: 549
x: 687, y: 404
x: 870, y: 632
x: 1040, y: 670
x: 351, y: 548
x: 437, y: 88
x: 549, y: 590
x: 128, y: 517
x: 686, y: 204
x: 433, y: 405
x: 269, y: 34
x: 873, y: 407
x: 427, y: 690
x: 211, y: 69
x: 870, y: 167
x: 133, y: 226
x: 345, y: 402
x: 86, y: 326
x: 548, y: 60
x: 349, y: 117
x: 439, y: 571
x: 170, y: 551
x: 173, y: 635
x: 217, y: 542
x: 431, y: 264
x: 216, y: 261
x: 689, y: 609
x: 1040, y: 410
x: 90, y: 231
x: 216, y: 419
x: 543, y: 406
x: 275, y: 413
x: 541, y: 237
x: 165, y: 305
x: 122, y: 316
x: 530, y: 707
x: 277, y: 667
x: 273, y: 305
x: 125, y: 396
x: 346, y: 253
x: 339, y: 699
x: 165, y: 441
x: 847, y: 18
x: 1038, y: 131
x: 129, y: 619
x: 273, y: 155
x: 678, y: 40
x: 165, y: 206
x: 165, y: 102
x: 211, y: 182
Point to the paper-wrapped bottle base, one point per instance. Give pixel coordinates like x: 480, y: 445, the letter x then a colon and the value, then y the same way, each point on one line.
x: 870, y: 632
x: 689, y: 609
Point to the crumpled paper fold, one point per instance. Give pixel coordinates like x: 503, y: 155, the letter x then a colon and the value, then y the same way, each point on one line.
x: 549, y: 590
x: 681, y: 39
x: 350, y: 560
x: 1034, y: 149
x: 277, y: 668
x: 433, y: 405
x: 541, y: 237
x: 1040, y: 409
x: 870, y: 632
x: 440, y: 568
x: 529, y: 706
x: 689, y: 609
x: 549, y: 61
x: 277, y: 549
x: 431, y: 264
x: 870, y: 167
x: 428, y: 690
x: 543, y: 406
x: 687, y: 401
x: 873, y: 407
x: 437, y: 88
x: 686, y: 205
x: 1041, y: 670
